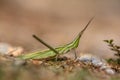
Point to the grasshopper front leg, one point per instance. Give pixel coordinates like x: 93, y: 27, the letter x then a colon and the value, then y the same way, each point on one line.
x: 75, y: 53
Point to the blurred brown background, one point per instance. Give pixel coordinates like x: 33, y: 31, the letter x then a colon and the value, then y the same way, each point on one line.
x: 59, y: 21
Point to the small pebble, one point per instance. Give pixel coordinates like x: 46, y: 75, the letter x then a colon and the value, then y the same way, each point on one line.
x: 4, y: 48
x: 104, y: 67
x: 16, y: 51
x: 19, y: 62
x: 85, y: 58
x: 110, y: 71
x: 97, y: 62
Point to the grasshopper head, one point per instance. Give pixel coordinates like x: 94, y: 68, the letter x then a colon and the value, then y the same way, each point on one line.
x: 75, y: 42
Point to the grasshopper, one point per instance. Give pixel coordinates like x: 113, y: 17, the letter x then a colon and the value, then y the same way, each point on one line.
x: 54, y: 52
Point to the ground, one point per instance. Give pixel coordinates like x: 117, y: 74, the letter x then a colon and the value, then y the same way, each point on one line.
x: 46, y: 70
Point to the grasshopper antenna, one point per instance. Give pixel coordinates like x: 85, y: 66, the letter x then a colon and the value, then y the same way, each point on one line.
x: 80, y: 34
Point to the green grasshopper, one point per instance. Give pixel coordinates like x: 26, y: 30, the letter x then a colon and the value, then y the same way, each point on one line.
x: 54, y: 52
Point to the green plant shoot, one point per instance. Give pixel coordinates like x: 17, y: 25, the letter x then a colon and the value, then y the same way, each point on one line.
x: 53, y: 52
